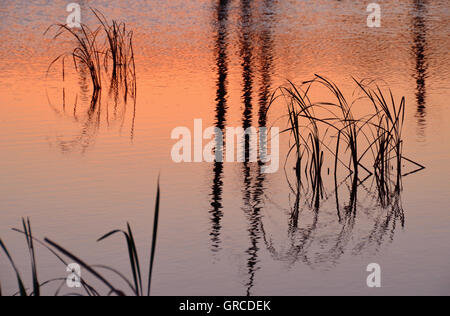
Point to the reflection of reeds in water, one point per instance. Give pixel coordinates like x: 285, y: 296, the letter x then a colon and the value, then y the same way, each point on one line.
x: 93, y: 57
x: 320, y: 238
x: 353, y: 139
x: 136, y: 285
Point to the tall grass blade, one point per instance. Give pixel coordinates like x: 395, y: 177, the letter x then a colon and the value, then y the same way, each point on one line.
x: 90, y: 291
x: 132, y: 255
x: 84, y: 265
x: 155, y: 234
x: 29, y: 238
x: 20, y: 283
x: 135, y: 261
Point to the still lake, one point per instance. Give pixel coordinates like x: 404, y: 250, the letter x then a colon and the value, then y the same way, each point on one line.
x: 225, y: 229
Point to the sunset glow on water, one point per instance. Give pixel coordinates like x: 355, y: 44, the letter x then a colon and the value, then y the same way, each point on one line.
x: 224, y: 228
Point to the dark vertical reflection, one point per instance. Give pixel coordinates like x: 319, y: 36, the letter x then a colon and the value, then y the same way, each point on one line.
x: 221, y: 109
x: 253, y: 178
x: 253, y: 193
x: 246, y: 52
x: 266, y: 61
x: 421, y: 63
x: 246, y: 55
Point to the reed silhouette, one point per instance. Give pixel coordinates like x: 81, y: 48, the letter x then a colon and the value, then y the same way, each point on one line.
x: 328, y: 131
x: 95, y: 50
x: 374, y: 138
x: 136, y: 284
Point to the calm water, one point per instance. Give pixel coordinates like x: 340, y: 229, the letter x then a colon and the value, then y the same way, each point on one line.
x: 224, y: 229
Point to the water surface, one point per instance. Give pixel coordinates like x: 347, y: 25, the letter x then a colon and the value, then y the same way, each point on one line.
x: 226, y: 229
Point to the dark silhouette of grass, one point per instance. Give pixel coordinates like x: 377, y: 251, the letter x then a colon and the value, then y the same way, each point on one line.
x: 20, y: 283
x: 94, y: 56
x: 137, y: 288
x: 379, y: 132
x: 87, y: 53
x: 109, y: 44
x: 59, y: 251
x: 121, y: 53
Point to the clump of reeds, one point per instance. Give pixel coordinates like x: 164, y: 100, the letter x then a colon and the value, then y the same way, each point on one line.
x: 300, y: 107
x: 91, y: 54
x: 119, y: 50
x: 136, y: 286
x: 379, y: 132
x: 348, y: 127
x: 86, y: 54
x: 111, y: 43
x: 389, y: 126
